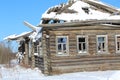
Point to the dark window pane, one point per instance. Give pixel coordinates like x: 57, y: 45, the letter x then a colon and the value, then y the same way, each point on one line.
x: 59, y: 47
x: 59, y: 40
x: 80, y: 48
x: 64, y: 46
x: 81, y: 39
x: 99, y: 46
x: 118, y: 45
x: 103, y: 46
x: 62, y: 40
x: 118, y: 37
x: 84, y: 47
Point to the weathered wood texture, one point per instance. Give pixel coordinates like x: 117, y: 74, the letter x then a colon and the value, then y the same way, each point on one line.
x: 85, y: 63
x: 32, y: 56
x: 46, y: 53
x: 78, y: 62
x: 26, y: 59
x: 39, y: 62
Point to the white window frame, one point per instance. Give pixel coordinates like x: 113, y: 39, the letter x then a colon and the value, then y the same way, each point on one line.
x: 67, y: 46
x: 106, y: 44
x: 86, y: 41
x: 39, y: 50
x: 117, y: 51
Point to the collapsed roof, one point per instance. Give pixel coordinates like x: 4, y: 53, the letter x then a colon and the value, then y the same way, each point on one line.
x: 34, y: 34
x: 74, y: 13
x: 18, y: 37
x: 80, y: 10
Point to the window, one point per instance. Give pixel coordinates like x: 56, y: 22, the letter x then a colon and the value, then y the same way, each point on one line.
x: 39, y: 49
x: 118, y: 43
x: 101, y: 43
x: 82, y: 44
x: 62, y: 45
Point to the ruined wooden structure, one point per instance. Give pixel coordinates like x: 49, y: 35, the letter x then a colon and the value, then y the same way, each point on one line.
x: 78, y: 45
x: 74, y: 45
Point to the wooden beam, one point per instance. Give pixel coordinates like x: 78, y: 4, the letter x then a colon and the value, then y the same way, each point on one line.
x: 81, y: 23
x: 103, y: 6
x: 33, y: 56
x: 26, y: 60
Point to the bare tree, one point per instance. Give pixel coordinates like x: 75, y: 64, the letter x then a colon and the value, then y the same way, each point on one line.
x: 6, y: 53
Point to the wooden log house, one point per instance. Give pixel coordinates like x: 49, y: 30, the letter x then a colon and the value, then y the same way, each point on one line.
x: 80, y: 45
x: 72, y: 44
x: 71, y: 47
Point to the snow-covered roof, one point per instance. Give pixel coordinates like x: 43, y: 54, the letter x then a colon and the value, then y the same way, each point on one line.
x: 34, y: 34
x: 83, y: 10
x: 17, y: 37
x: 10, y: 37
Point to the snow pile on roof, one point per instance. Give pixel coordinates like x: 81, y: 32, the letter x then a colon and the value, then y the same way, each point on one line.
x: 10, y: 37
x: 16, y: 37
x: 84, y: 11
x: 34, y: 34
x: 114, y: 17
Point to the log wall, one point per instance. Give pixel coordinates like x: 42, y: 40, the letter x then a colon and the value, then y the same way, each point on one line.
x: 75, y: 62
x: 85, y: 63
x: 39, y: 62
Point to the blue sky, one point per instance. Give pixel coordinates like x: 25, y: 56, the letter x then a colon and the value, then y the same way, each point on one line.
x: 14, y: 12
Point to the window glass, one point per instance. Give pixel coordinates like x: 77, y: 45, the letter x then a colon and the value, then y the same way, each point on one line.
x: 118, y: 43
x: 101, y: 44
x: 82, y: 44
x: 62, y: 40
x: 101, y: 39
x: 62, y: 45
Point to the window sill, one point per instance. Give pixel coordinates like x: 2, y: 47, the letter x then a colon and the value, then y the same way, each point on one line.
x: 83, y: 54
x: 62, y: 54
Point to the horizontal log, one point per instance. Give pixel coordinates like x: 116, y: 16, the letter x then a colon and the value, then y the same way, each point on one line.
x: 85, y: 62
x: 86, y: 59
x: 81, y: 23
x: 86, y: 56
x: 77, y: 68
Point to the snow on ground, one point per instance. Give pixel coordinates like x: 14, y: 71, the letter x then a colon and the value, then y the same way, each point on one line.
x: 20, y: 73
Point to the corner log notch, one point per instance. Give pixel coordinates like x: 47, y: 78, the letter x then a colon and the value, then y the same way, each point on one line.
x: 46, y: 52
